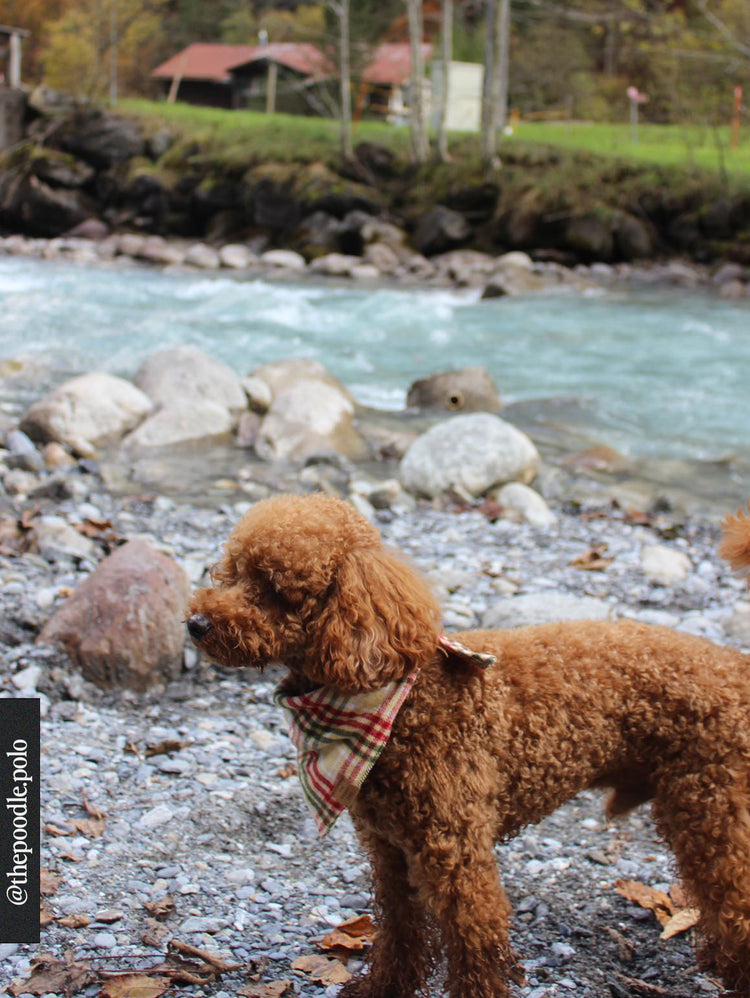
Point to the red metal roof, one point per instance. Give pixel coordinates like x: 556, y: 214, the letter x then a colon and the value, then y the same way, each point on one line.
x: 204, y: 61
x: 215, y: 61
x: 303, y: 57
x: 391, y: 63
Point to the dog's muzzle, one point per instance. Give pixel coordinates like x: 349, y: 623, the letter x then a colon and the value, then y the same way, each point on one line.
x: 198, y: 626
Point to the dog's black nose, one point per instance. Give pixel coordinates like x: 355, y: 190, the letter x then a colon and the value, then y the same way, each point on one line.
x: 198, y: 626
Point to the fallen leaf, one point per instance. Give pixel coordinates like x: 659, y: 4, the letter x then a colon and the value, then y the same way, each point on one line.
x: 49, y: 881
x: 92, y: 810
x: 155, y: 933
x: 25, y: 520
x: 286, y: 771
x: 273, y: 989
x: 92, y: 828
x: 625, y: 948
x: 54, y: 831
x: 214, y: 961
x: 133, y: 986
x: 351, y: 936
x: 160, y: 908
x: 641, y: 988
x: 74, y: 921
x: 685, y: 919
x: 45, y: 915
x: 647, y: 897
x: 49, y: 975
x: 165, y: 747
x: 322, y: 968
x: 593, y: 559
x: 98, y: 530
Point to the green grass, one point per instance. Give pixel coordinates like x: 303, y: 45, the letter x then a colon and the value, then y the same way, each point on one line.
x: 688, y: 146
x: 235, y: 138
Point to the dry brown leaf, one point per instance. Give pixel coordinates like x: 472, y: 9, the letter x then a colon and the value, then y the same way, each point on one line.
x: 92, y: 828
x: 625, y: 948
x: 54, y: 831
x: 133, y: 986
x: 165, y: 747
x: 685, y: 919
x: 26, y: 519
x: 49, y: 881
x: 647, y: 897
x: 286, y: 771
x: 351, y: 936
x: 49, y: 975
x: 679, y: 895
x: 45, y: 915
x: 98, y: 530
x: 74, y: 921
x: 593, y: 559
x: 92, y: 810
x: 160, y: 908
x: 273, y: 989
x: 642, y: 988
x: 322, y: 968
x: 213, y: 961
x: 155, y: 933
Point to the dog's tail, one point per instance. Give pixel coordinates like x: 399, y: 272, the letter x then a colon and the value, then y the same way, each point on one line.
x: 735, y: 544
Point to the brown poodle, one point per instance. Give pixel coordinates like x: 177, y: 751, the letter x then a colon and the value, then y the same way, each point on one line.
x: 474, y: 753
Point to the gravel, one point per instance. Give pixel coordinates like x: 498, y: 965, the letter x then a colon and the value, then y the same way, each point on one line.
x: 215, y: 819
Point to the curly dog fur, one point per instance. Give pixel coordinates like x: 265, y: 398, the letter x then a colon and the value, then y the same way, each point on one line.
x: 477, y: 755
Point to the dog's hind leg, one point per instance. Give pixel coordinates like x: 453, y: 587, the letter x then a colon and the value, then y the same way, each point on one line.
x: 403, y: 953
x: 705, y: 817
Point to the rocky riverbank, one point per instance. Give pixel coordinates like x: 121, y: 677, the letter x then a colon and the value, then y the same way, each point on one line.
x: 82, y: 171
x: 384, y: 260
x: 173, y: 817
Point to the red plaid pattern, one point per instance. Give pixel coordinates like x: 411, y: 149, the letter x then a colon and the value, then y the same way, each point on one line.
x: 339, y: 738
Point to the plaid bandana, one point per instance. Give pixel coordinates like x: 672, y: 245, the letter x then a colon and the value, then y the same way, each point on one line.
x: 339, y: 736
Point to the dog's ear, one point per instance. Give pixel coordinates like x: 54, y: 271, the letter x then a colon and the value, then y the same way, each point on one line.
x: 379, y: 622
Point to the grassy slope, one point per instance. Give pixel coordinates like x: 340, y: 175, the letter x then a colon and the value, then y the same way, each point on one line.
x: 235, y: 136
x: 555, y: 171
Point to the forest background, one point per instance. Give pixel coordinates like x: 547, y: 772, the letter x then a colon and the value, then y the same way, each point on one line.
x: 567, y: 58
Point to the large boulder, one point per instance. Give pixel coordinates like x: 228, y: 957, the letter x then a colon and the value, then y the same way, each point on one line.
x: 124, y: 625
x: 101, y: 139
x: 182, y: 421
x: 441, y: 229
x: 42, y: 210
x: 185, y: 373
x: 468, y: 389
x: 310, y: 418
x: 590, y: 236
x: 468, y: 454
x: 279, y: 375
x: 86, y: 412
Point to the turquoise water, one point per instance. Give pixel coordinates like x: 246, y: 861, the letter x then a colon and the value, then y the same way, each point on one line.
x: 653, y: 373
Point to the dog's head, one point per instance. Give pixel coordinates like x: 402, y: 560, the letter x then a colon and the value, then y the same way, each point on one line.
x: 306, y: 581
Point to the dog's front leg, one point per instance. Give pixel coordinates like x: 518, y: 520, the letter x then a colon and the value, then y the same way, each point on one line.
x: 458, y: 880
x: 400, y: 959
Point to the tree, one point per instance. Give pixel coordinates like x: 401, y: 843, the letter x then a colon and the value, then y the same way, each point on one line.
x: 419, y: 142
x: 342, y: 11
x: 495, y: 90
x: 446, y: 55
x: 95, y: 43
